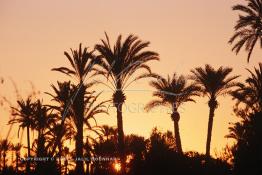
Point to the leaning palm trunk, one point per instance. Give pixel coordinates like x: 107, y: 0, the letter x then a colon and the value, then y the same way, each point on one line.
x: 212, y: 106
x: 28, y: 150
x: 175, y: 116
x: 79, y: 114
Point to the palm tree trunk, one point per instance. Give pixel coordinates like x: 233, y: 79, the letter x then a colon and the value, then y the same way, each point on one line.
x: 177, y: 137
x: 28, y: 151
x: 59, y: 158
x: 4, y: 155
x: 87, y: 168
x: 79, y: 150
x: 209, y: 130
x: 79, y: 144
x: 120, y: 137
x: 0, y: 159
x: 16, y: 163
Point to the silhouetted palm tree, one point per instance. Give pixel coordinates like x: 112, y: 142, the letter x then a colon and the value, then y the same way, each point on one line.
x: 63, y: 94
x: 61, y: 129
x: 24, y: 117
x: 118, y: 65
x: 42, y: 120
x: 17, y: 148
x: 81, y: 62
x: 173, y: 92
x: 250, y: 93
x: 249, y: 26
x: 213, y: 83
x: 5, y: 147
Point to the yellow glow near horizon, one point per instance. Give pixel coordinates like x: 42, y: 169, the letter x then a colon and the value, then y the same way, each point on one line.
x: 117, y: 166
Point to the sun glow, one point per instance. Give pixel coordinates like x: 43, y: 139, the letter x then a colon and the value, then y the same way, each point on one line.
x: 117, y: 166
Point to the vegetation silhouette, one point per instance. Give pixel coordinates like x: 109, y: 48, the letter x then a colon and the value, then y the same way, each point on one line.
x: 213, y: 83
x: 173, y: 92
x: 248, y: 29
x: 118, y: 64
x: 71, y: 114
x: 82, y: 63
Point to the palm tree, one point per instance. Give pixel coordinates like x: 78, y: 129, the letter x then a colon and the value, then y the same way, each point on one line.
x: 24, y: 117
x: 82, y: 63
x: 118, y: 65
x: 63, y: 94
x: 213, y: 83
x: 249, y: 26
x: 250, y: 93
x: 42, y: 119
x: 173, y: 92
x: 61, y: 129
x: 17, y: 148
x: 5, y: 147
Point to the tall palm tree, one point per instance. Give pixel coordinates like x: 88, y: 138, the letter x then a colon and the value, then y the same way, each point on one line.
x: 118, y: 65
x: 81, y: 62
x: 250, y: 93
x: 248, y: 29
x: 213, y: 83
x: 24, y: 117
x: 173, y: 92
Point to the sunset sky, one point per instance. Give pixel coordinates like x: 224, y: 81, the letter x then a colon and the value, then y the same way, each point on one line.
x: 186, y: 34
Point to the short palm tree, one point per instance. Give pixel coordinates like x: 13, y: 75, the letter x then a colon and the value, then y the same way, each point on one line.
x: 62, y: 95
x: 17, y: 149
x: 250, y: 93
x: 81, y: 62
x: 42, y: 119
x: 118, y: 65
x: 173, y: 92
x: 248, y: 29
x: 24, y: 117
x: 5, y: 146
x: 213, y: 83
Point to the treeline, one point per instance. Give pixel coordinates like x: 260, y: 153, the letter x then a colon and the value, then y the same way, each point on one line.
x: 72, y: 117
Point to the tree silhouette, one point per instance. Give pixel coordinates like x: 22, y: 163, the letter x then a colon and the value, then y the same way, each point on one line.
x: 5, y: 147
x: 173, y: 92
x: 118, y: 65
x: 24, y: 117
x: 213, y: 83
x: 17, y: 148
x: 248, y: 149
x: 248, y: 29
x: 250, y: 93
x: 81, y: 62
x: 62, y: 94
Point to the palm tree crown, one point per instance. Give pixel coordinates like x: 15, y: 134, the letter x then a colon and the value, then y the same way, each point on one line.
x: 173, y: 91
x: 214, y: 83
x: 250, y: 93
x: 120, y: 63
x: 249, y: 26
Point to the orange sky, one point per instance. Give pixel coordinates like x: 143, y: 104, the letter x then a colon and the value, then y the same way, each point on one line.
x: 186, y: 34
